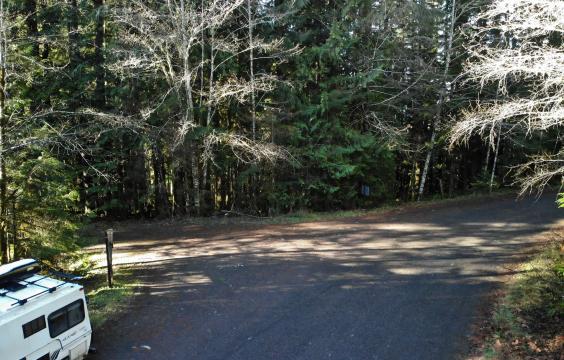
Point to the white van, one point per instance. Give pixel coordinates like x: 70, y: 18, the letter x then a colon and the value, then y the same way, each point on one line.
x: 41, y: 318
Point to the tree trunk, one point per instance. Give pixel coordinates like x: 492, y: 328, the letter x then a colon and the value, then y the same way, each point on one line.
x: 4, y: 246
x: 487, y: 162
x: 46, y: 29
x: 187, y: 189
x: 179, y: 195
x: 427, y: 163
x: 188, y: 118
x: 74, y: 54
x: 450, y: 35
x: 252, y: 66
x: 30, y: 13
x: 495, y: 158
x: 3, y: 177
x: 162, y: 205
x: 413, y: 180
x: 452, y: 176
x: 202, y: 62
x: 17, y: 246
x: 211, y: 78
x: 196, y: 179
x: 209, y: 114
x: 31, y: 23
x: 99, y: 46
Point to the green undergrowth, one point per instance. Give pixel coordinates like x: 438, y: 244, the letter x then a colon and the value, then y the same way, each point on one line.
x: 528, y: 323
x: 104, y: 302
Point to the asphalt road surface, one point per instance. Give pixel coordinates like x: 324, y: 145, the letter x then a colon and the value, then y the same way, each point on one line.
x: 401, y: 285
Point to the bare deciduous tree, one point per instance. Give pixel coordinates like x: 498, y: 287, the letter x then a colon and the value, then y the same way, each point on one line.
x: 531, y: 57
x: 162, y: 39
x: 176, y: 41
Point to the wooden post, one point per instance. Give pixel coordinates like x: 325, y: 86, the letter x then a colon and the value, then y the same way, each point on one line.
x: 109, y: 249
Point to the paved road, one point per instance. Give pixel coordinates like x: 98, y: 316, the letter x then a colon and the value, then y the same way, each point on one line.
x: 401, y: 285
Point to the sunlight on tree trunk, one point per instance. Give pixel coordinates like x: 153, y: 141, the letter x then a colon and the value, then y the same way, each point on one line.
x: 449, y: 32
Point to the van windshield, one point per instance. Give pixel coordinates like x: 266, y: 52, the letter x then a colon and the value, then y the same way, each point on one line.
x: 66, y: 318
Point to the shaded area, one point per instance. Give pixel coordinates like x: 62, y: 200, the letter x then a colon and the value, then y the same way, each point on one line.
x: 392, y: 286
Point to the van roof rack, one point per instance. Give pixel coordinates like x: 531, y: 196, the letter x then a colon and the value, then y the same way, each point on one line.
x: 19, y: 283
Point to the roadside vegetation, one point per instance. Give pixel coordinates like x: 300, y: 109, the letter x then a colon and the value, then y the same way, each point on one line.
x: 528, y: 322
x: 105, y: 302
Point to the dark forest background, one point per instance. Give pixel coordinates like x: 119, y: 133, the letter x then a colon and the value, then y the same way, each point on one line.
x: 143, y: 109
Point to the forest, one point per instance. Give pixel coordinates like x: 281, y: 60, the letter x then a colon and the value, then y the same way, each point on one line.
x: 114, y: 109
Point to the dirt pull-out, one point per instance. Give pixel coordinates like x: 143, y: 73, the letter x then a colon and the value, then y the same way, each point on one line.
x: 393, y: 286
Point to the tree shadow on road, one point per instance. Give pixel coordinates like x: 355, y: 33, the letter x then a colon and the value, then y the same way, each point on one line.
x: 403, y: 287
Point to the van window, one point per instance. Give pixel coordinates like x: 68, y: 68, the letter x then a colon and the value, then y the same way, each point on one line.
x: 33, y: 326
x: 66, y: 318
